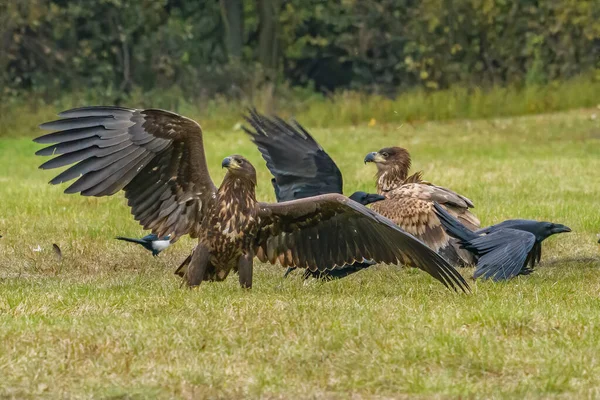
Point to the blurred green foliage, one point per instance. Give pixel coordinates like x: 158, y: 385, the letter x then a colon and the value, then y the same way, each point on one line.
x: 180, y: 48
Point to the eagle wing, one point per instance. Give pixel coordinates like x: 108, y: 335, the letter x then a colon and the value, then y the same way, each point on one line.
x: 323, y: 232
x: 411, y: 207
x: 300, y: 166
x: 157, y: 157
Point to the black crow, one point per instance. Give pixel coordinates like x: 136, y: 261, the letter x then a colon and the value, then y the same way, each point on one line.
x: 504, y: 250
x: 301, y: 168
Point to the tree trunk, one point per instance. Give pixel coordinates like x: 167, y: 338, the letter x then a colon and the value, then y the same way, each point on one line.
x: 232, y: 12
x: 268, y: 46
x: 268, y: 49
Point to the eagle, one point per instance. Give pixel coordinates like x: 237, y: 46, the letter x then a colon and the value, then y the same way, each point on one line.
x: 505, y: 250
x: 157, y: 158
x: 301, y: 168
x: 409, y: 203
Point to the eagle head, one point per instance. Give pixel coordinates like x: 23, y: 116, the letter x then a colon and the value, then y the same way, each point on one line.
x: 240, y: 167
x: 390, y: 158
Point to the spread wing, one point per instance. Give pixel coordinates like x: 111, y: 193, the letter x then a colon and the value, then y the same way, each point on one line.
x: 299, y: 164
x: 504, y: 253
x: 322, y: 232
x: 155, y: 156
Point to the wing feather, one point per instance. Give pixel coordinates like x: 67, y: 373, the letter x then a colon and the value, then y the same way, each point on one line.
x: 156, y: 156
x: 332, y: 230
x: 411, y: 207
x: 504, y: 253
x: 300, y: 166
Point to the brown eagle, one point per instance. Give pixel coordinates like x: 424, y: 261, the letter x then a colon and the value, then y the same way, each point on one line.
x: 157, y: 157
x: 410, y: 204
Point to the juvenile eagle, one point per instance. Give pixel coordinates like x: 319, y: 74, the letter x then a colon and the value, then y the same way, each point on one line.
x: 301, y: 168
x: 409, y: 203
x: 157, y: 157
x: 504, y: 250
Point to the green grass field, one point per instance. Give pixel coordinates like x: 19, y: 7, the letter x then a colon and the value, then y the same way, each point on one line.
x: 110, y: 321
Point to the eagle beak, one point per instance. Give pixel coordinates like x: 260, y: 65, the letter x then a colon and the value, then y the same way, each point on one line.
x: 374, y: 157
x: 230, y: 163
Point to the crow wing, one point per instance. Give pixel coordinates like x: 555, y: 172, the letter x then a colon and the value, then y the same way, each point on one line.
x: 299, y: 164
x: 503, y: 253
x: 323, y: 232
x: 157, y: 157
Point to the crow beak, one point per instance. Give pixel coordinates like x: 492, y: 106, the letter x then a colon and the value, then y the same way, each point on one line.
x: 559, y: 228
x: 372, y: 198
x: 226, y: 163
x: 370, y: 157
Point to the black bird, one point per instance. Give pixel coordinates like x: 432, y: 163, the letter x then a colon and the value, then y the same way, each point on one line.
x: 299, y: 165
x: 365, y: 198
x: 150, y: 242
x: 504, y: 250
x: 301, y: 168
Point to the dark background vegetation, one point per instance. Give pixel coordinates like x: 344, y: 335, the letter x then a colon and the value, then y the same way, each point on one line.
x: 164, y: 52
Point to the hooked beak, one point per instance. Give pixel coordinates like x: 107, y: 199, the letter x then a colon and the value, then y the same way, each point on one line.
x: 370, y: 157
x: 229, y: 163
x: 374, y: 157
x: 559, y: 228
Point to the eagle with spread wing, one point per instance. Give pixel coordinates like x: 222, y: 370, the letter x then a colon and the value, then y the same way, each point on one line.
x: 157, y: 158
x: 410, y: 204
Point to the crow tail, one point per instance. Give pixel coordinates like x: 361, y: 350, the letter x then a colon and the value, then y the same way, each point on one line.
x: 452, y: 226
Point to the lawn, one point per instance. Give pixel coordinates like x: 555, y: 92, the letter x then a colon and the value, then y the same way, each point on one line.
x: 110, y: 321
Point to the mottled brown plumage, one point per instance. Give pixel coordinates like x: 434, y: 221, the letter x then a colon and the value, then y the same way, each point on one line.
x: 409, y: 203
x: 157, y: 158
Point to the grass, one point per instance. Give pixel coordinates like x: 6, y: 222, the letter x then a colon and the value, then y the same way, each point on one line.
x: 338, y: 109
x: 110, y: 321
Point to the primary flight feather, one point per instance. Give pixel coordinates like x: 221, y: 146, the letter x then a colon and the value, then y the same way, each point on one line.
x: 301, y: 168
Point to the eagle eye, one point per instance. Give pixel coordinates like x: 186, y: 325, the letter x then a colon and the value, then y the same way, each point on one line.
x: 385, y: 154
